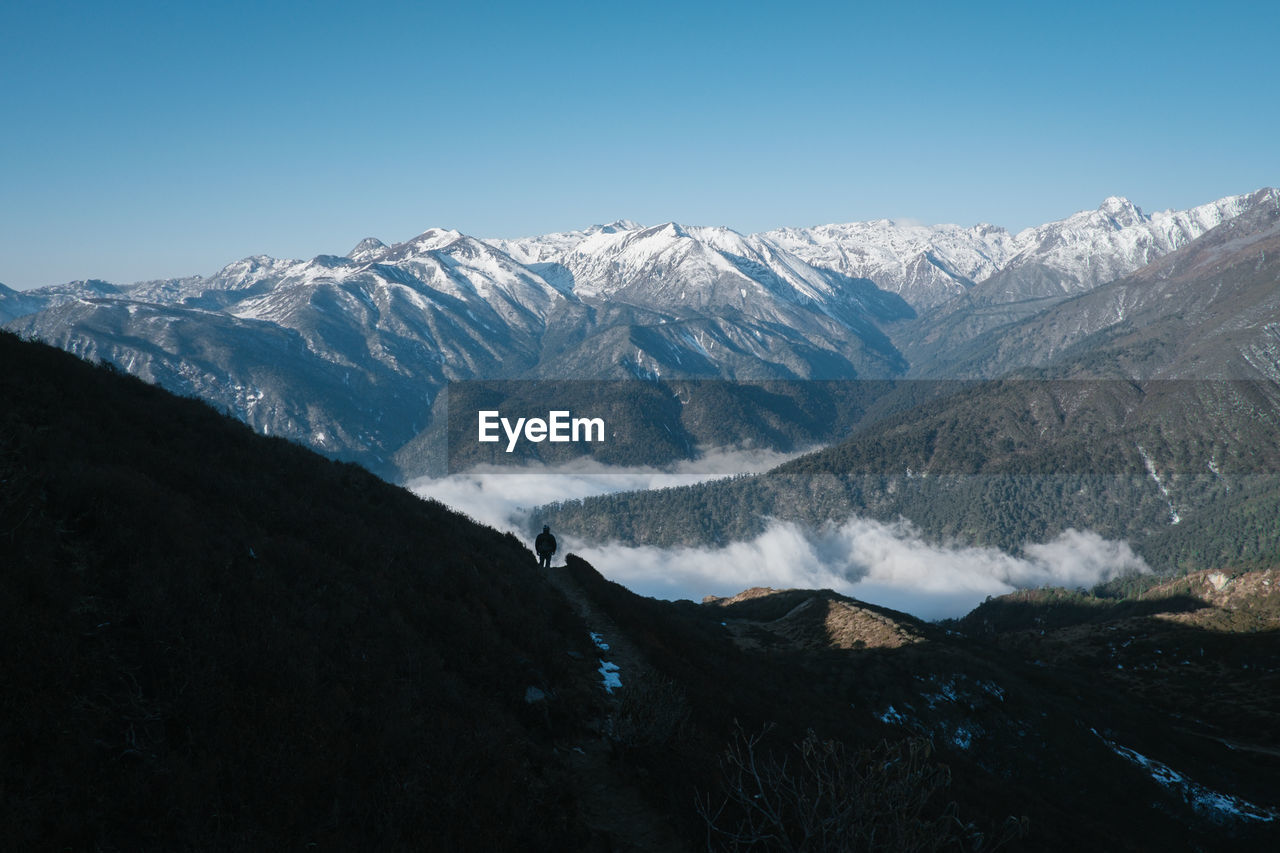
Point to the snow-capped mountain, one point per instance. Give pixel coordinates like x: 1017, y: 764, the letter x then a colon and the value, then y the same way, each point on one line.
x: 1056, y: 261
x: 348, y: 352
x: 1208, y: 310
x: 15, y: 303
x: 551, y: 248
x: 924, y: 264
x: 1096, y: 246
x: 929, y: 265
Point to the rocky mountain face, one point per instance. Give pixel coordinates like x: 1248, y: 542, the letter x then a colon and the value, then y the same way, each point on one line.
x: 348, y: 354
x: 14, y: 303
x: 924, y: 264
x: 1208, y: 310
x: 1054, y: 262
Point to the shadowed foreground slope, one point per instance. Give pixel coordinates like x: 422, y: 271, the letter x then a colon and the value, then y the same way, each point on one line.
x: 218, y: 641
x: 1020, y: 730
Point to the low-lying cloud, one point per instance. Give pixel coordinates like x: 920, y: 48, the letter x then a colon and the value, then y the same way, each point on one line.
x: 504, y: 496
x: 888, y: 564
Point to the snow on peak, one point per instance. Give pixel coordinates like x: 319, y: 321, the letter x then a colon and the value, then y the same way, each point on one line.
x: 720, y: 238
x: 554, y: 248
x: 253, y: 268
x: 615, y: 226
x: 667, y: 230
x: 1114, y: 204
x: 1121, y: 211
x: 925, y: 264
x: 367, y: 249
x: 431, y: 240
x: 1095, y: 246
x: 692, y: 264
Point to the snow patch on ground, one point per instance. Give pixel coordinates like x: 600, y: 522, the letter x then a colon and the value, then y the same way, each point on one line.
x: 1201, y: 798
x: 1174, y: 518
x: 892, y: 716
x: 609, y: 673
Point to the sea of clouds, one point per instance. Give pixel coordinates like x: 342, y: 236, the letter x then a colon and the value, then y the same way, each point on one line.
x: 892, y: 564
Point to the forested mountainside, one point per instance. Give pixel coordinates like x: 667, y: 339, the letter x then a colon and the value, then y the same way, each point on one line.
x: 1185, y: 470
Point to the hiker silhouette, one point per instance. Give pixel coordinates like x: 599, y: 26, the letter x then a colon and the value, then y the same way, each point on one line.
x: 545, y: 545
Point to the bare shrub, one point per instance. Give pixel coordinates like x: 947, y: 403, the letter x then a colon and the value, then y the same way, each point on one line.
x: 652, y: 710
x: 819, y: 796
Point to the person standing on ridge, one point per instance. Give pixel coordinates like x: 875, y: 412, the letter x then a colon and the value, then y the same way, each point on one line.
x: 545, y: 545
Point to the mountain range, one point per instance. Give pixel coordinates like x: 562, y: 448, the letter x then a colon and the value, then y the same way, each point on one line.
x: 351, y: 354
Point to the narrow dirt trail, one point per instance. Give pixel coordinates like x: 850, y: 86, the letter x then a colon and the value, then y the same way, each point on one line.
x: 612, y: 804
x: 621, y: 651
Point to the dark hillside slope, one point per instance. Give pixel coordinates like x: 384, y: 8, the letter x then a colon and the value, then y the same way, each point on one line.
x: 216, y: 641
x: 1027, y: 723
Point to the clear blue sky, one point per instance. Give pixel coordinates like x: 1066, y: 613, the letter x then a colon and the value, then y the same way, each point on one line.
x: 157, y: 139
